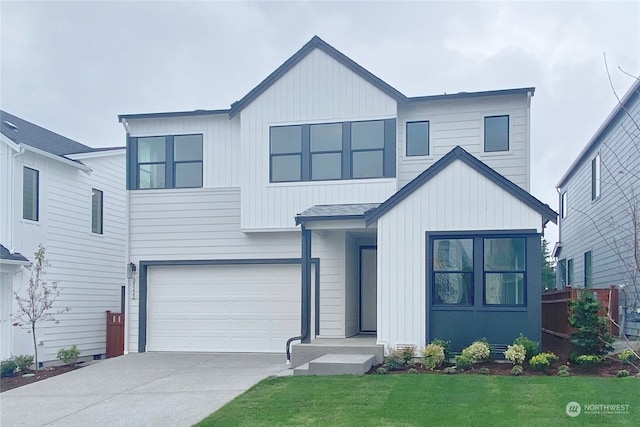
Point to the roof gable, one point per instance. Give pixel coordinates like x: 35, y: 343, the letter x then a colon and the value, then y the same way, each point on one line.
x: 459, y: 153
x: 23, y: 132
x: 315, y: 43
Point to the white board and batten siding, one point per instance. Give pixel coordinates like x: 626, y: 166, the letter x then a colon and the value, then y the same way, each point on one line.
x: 318, y: 89
x: 204, y: 224
x: 460, y: 122
x: 441, y: 204
x: 89, y: 267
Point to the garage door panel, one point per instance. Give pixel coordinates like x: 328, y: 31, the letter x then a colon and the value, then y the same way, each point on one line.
x: 222, y: 308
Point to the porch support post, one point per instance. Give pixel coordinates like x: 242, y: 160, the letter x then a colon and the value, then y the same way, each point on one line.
x: 306, y: 285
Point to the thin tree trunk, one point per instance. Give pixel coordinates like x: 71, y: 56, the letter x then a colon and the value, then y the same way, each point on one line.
x: 35, y: 344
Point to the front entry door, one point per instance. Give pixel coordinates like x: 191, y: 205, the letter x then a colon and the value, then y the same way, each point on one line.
x: 368, y: 291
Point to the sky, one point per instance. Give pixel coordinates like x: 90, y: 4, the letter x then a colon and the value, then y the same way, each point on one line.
x: 72, y: 67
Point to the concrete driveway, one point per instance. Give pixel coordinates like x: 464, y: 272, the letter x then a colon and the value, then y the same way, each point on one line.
x: 160, y: 389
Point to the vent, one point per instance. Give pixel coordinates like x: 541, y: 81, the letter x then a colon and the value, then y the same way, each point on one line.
x: 10, y: 125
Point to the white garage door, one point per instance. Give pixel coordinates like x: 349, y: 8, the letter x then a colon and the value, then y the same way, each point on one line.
x: 252, y: 308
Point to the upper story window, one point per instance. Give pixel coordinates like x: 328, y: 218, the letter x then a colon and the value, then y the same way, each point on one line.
x: 30, y: 194
x: 417, y: 138
x: 347, y: 150
x: 563, y: 205
x: 595, y: 177
x: 96, y: 211
x: 587, y: 269
x: 496, y: 134
x: 165, y: 162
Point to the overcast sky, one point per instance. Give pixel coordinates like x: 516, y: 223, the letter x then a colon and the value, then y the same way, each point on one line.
x: 72, y: 67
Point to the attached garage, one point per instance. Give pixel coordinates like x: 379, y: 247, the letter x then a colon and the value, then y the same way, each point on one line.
x: 222, y: 308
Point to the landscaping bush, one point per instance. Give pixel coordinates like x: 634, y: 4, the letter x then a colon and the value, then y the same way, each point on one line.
x: 24, y: 362
x: 622, y: 374
x: 477, y: 351
x: 433, y: 356
x: 517, y: 370
x: 484, y: 371
x: 381, y: 370
x: 626, y: 356
x: 530, y: 346
x: 400, y: 358
x: 540, y: 362
x: 515, y: 353
x: 450, y: 370
x: 592, y: 336
x: 563, y: 371
x: 412, y: 371
x: 446, y: 347
x: 589, y: 361
x: 69, y: 356
x: 463, y: 361
x: 8, y: 368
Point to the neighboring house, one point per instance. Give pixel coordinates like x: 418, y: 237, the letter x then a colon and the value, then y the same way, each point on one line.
x: 597, y: 195
x: 71, y: 199
x: 382, y: 205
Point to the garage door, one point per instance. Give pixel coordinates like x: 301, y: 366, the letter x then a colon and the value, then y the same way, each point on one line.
x: 252, y: 308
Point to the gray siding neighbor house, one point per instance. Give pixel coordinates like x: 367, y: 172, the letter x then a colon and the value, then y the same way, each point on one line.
x: 598, y: 197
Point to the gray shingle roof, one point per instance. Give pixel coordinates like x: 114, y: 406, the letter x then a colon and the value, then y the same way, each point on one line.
x: 8, y: 256
x: 23, y: 132
x: 334, y: 212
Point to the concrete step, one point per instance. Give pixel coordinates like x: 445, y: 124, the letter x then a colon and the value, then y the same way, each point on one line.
x: 341, y: 364
x: 301, y: 370
x: 304, y: 353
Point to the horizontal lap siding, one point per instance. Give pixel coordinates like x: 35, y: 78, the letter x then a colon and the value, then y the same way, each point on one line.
x: 457, y: 199
x: 460, y: 123
x: 620, y: 154
x: 317, y: 90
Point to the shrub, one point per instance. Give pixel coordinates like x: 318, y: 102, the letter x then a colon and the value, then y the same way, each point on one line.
x: 530, y: 346
x: 412, y: 371
x: 69, y: 356
x: 433, y: 356
x: 23, y: 362
x: 517, y: 370
x: 400, y: 357
x: 446, y: 347
x: 563, y: 371
x: 484, y: 371
x: 381, y: 370
x: 515, y: 354
x: 450, y: 370
x: 589, y: 361
x: 542, y: 361
x: 463, y: 361
x: 592, y: 332
x: 8, y: 368
x: 626, y: 356
x: 477, y: 351
x: 622, y: 374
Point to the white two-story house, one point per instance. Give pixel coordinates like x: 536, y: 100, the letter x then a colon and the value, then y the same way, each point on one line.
x: 69, y: 198
x: 327, y: 204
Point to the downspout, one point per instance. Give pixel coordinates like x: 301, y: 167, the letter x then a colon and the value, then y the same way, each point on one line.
x: 127, y: 302
x: 12, y: 204
x: 305, y: 324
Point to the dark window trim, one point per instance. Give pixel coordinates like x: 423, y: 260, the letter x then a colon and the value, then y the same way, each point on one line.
x: 524, y: 273
x: 484, y: 129
x: 133, y: 169
x: 99, y: 227
x: 36, y: 217
x: 388, y: 152
x: 406, y: 139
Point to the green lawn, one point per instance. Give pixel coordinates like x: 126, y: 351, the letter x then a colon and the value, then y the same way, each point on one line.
x: 408, y: 400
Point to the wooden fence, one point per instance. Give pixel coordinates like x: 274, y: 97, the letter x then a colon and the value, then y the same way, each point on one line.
x: 115, y: 334
x: 555, y: 309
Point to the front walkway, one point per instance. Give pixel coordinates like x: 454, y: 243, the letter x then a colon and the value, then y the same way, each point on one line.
x: 168, y: 389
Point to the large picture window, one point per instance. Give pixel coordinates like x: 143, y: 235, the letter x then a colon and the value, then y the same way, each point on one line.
x: 165, y: 162
x: 30, y: 194
x: 331, y: 151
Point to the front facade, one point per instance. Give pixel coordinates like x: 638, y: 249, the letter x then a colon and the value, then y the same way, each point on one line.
x: 597, y: 196
x: 229, y: 209
x: 70, y: 199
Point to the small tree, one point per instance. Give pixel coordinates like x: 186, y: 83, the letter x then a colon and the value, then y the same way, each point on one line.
x: 592, y: 331
x: 37, y: 305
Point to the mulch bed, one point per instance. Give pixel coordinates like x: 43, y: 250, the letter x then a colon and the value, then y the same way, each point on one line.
x: 8, y: 383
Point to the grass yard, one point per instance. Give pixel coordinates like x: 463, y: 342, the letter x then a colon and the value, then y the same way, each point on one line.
x: 434, y: 400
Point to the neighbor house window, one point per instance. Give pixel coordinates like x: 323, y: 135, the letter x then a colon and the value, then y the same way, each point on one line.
x: 595, y: 177
x: 562, y: 268
x: 452, y: 271
x: 329, y: 151
x: 417, y: 138
x: 587, y: 269
x: 563, y: 205
x: 570, y: 272
x: 96, y: 211
x: 504, y: 271
x: 165, y: 162
x: 30, y: 193
x: 496, y: 133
